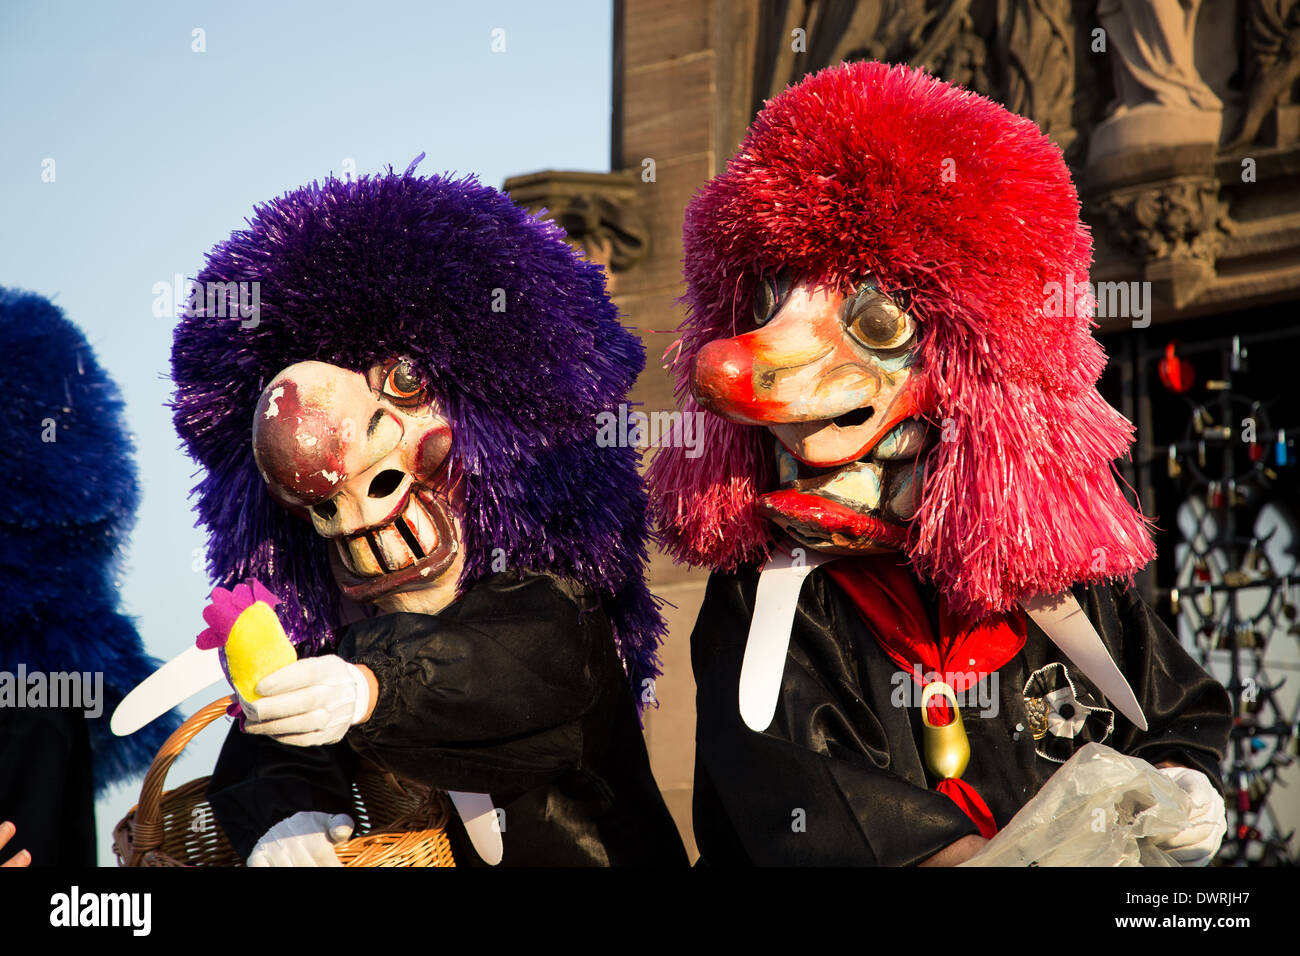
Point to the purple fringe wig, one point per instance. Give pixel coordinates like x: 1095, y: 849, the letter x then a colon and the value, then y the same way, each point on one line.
x: 355, y: 272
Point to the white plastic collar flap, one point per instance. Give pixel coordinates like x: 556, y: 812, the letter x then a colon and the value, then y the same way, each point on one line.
x: 1065, y: 624
x: 779, y: 584
x: 481, y: 823
x: 184, y: 675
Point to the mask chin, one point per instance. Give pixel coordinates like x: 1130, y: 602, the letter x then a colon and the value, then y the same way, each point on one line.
x: 861, y: 507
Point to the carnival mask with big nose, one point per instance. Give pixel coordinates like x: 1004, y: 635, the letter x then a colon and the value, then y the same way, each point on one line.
x: 832, y: 377
x: 364, y: 458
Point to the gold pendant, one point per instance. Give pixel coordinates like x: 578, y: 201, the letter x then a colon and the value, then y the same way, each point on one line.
x: 946, y: 748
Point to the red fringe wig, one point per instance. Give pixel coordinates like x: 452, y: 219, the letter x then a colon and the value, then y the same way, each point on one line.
x: 967, y: 212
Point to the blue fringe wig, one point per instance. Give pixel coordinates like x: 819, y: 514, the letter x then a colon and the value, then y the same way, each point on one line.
x: 67, y: 506
x: 512, y: 330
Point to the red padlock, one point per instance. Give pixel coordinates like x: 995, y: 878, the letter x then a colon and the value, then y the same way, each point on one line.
x: 1214, y: 496
x: 1176, y: 373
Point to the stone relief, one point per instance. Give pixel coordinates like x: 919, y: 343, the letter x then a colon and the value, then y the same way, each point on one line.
x: 1161, y: 99
x: 1272, y: 69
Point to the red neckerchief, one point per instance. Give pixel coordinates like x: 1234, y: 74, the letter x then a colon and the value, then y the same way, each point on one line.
x: 885, y: 595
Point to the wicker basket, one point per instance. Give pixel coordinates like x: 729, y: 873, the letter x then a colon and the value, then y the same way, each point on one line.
x: 397, y: 824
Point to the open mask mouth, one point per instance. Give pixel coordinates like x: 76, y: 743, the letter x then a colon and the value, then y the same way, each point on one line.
x: 410, y: 550
x: 855, y: 507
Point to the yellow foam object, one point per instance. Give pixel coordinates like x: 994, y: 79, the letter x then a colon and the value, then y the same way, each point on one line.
x: 257, y: 646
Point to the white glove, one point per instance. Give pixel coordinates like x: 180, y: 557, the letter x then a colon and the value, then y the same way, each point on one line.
x: 1206, y: 824
x: 304, y: 839
x: 309, y: 702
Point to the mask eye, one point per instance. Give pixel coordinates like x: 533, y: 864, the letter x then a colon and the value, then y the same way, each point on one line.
x: 768, y: 295
x: 876, y: 322
x: 402, y: 384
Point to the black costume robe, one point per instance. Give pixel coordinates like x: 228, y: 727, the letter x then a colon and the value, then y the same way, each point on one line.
x: 514, y: 690
x: 47, y: 785
x: 842, y: 753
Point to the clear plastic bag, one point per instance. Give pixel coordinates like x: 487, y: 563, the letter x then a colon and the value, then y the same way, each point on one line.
x: 1100, y: 809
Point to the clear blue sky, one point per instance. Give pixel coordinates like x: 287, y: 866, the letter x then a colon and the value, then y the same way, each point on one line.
x: 160, y: 151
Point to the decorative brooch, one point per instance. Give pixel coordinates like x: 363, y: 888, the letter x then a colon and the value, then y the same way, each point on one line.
x: 1063, y: 717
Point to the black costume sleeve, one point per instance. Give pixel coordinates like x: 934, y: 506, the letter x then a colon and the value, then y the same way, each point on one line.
x: 486, y: 695
x: 259, y: 781
x: 47, y: 786
x: 818, y: 787
x: 1188, y: 712
x: 483, y: 697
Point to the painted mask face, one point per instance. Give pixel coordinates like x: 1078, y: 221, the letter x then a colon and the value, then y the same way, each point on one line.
x: 364, y: 457
x: 831, y: 376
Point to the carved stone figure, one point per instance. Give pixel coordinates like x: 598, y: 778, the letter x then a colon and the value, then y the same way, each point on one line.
x: 1161, y: 99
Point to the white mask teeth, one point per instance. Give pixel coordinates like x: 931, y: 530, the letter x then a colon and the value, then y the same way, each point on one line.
x: 345, y: 554
x: 859, y: 483
x: 363, y: 557
x: 396, y: 554
x: 421, y: 525
x: 902, y: 501
x: 395, y: 546
x: 904, y: 440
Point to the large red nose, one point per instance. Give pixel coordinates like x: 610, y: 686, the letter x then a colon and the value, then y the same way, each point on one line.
x: 298, y: 446
x: 722, y: 380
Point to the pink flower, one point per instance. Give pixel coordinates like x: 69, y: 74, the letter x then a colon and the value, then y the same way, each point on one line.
x: 225, y: 608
